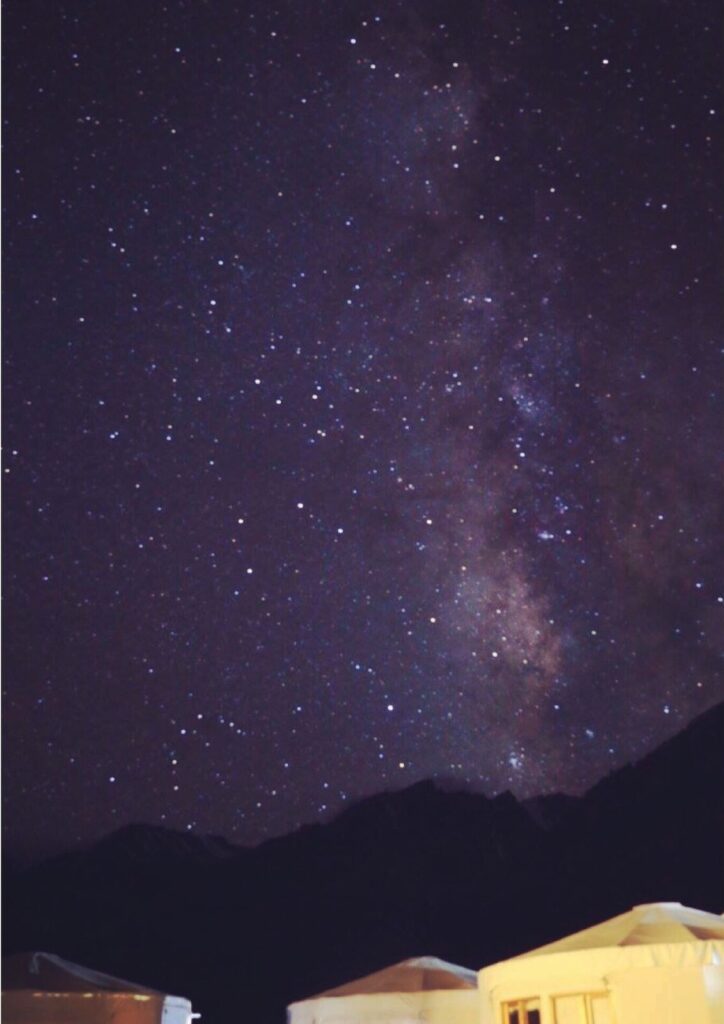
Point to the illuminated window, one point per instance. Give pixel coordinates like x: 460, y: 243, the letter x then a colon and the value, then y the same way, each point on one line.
x: 600, y: 1009
x: 570, y: 1009
x: 585, y: 1008
x: 575, y: 1008
x: 522, y: 1011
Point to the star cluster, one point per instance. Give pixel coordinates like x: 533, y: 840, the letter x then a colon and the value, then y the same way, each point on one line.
x: 361, y: 403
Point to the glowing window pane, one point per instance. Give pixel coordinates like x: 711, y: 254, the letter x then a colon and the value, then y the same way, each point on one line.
x: 600, y: 1010
x: 570, y: 1009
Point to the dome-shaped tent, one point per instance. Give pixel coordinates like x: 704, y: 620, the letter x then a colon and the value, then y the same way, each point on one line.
x: 660, y: 963
x: 40, y: 988
x: 424, y: 988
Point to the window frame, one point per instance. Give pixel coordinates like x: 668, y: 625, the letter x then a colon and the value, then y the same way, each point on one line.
x: 522, y: 1004
x: 587, y: 998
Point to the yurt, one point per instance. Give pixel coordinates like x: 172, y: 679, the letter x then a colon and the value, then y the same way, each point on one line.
x: 422, y: 989
x: 660, y: 963
x: 39, y: 988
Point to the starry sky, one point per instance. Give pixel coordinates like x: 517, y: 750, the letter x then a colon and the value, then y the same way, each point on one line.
x: 361, y: 414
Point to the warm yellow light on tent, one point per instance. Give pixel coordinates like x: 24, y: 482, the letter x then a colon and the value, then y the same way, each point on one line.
x: 423, y: 988
x: 40, y: 988
x: 660, y: 963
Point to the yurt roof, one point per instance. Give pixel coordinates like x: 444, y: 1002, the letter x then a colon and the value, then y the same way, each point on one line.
x: 647, y: 924
x: 45, y: 972
x: 422, y: 973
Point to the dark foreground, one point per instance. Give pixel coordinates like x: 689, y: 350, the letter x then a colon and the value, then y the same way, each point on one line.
x: 458, y: 875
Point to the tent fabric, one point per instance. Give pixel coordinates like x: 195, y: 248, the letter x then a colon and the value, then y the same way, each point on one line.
x: 644, y: 925
x: 41, y: 988
x: 658, y: 962
x: 422, y: 973
x: 46, y: 972
x: 423, y: 988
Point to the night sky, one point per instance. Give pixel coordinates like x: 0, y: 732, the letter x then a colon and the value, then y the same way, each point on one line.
x: 361, y: 407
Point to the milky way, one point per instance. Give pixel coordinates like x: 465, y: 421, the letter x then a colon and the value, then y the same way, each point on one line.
x: 361, y: 405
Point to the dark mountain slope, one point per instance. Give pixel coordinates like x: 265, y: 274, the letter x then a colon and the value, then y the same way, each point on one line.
x: 424, y: 870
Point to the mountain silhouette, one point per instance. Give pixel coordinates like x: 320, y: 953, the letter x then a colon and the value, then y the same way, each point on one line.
x: 427, y: 869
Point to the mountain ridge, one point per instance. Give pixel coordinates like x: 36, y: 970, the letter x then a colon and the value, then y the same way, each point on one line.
x: 461, y: 875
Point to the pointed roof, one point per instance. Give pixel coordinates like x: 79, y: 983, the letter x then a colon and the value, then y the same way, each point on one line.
x: 422, y: 973
x: 647, y: 924
x: 46, y: 972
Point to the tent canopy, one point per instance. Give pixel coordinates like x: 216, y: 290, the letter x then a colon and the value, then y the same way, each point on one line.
x: 420, y: 974
x: 658, y: 962
x: 644, y: 925
x: 41, y: 988
x: 423, y: 988
x: 45, y: 972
